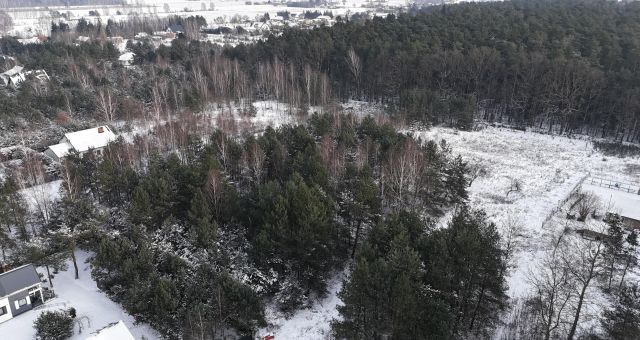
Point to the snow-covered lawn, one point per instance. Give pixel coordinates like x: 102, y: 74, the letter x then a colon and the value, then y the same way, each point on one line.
x: 94, y: 309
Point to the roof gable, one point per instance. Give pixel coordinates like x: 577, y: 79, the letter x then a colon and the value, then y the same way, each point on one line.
x: 84, y: 140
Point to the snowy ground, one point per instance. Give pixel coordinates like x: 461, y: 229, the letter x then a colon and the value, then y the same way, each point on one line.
x: 311, y: 323
x: 32, y: 21
x: 549, y: 168
x: 94, y: 309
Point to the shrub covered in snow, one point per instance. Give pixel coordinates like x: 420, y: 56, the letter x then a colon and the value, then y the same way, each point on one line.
x: 54, y: 326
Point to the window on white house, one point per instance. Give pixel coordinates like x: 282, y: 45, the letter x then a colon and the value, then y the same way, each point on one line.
x: 22, y: 302
x: 3, y: 310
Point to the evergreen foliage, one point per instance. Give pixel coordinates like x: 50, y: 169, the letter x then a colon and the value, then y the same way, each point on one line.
x: 53, y: 325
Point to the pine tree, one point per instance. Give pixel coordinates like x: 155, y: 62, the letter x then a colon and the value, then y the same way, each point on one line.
x: 200, y: 217
x: 622, y: 321
x: 360, y: 203
x: 140, y: 210
x: 56, y: 325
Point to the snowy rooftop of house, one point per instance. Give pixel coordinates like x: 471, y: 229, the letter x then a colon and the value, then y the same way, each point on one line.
x: 93, y: 138
x: 127, y: 56
x: 114, y: 331
x: 18, y: 279
x: 13, y: 71
x: 61, y: 150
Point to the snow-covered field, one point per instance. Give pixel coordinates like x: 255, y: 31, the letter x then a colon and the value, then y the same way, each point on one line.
x: 549, y: 167
x: 29, y: 22
x: 94, y: 309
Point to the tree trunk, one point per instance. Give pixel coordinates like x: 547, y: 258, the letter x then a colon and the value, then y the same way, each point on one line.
x: 355, y: 241
x: 49, y: 276
x: 576, y: 318
x: 73, y: 257
x: 624, y: 272
x: 475, y: 311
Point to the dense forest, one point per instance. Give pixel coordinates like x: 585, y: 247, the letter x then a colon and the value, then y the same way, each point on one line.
x: 559, y: 66
x: 197, y: 226
x: 208, y: 234
x: 570, y: 66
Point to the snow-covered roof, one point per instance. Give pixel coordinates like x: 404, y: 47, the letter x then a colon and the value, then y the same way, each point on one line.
x: 93, y: 138
x: 61, y: 150
x: 114, y: 331
x: 127, y: 56
x: 13, y: 71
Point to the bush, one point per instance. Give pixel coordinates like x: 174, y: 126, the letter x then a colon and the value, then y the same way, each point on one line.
x: 53, y: 326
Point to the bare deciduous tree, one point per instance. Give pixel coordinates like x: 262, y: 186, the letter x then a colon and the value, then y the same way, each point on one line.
x: 587, y: 203
x: 553, y: 289
x: 583, y: 259
x: 514, y: 186
x: 107, y: 103
x: 256, y: 159
x: 355, y: 66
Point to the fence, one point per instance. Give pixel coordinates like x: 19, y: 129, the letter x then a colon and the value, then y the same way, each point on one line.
x: 564, y: 201
x: 614, y: 184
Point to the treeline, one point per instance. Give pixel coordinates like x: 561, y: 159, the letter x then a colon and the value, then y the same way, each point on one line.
x: 543, y: 64
x: 540, y: 64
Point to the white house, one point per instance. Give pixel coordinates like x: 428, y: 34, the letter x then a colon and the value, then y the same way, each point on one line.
x: 16, y: 75
x: 114, y: 331
x: 126, y: 59
x: 13, y: 77
x: 20, y: 291
x: 80, y: 142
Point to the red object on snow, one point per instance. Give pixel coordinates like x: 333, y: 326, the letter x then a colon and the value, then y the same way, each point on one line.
x: 268, y: 337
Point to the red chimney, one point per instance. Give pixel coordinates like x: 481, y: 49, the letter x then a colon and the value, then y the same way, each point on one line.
x: 101, y: 129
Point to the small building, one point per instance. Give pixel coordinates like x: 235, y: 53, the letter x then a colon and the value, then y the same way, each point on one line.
x: 20, y: 291
x: 175, y: 28
x: 80, y: 142
x: 592, y: 235
x: 118, y: 40
x: 13, y: 77
x: 629, y: 221
x: 117, y: 330
x: 126, y: 59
